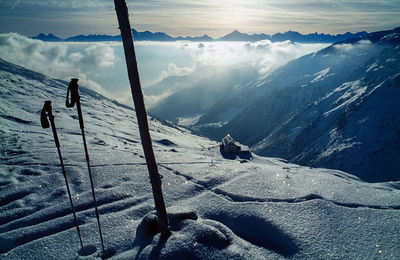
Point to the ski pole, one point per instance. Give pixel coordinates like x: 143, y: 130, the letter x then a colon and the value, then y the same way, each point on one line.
x: 75, y: 99
x: 46, y: 112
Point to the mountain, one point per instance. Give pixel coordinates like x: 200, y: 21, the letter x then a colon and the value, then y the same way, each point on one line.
x: 138, y: 36
x: 233, y: 36
x: 337, y: 108
x: 47, y: 38
x: 204, y: 38
x: 218, y: 207
x: 291, y: 36
x: 238, y: 36
x: 93, y: 38
x: 150, y: 36
x: 314, y: 37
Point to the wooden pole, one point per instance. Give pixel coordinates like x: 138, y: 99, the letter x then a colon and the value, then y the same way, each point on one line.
x: 133, y: 74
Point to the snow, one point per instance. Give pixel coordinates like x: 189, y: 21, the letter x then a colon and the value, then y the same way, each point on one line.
x: 354, y: 91
x: 374, y: 67
x: 336, y: 88
x: 219, y: 208
x: 323, y: 74
x: 188, y: 120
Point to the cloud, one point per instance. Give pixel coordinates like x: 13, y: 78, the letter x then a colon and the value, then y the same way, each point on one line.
x: 265, y: 55
x: 348, y: 48
x: 178, y: 71
x: 101, y: 66
x: 222, y: 65
x: 100, y: 55
x: 152, y: 100
x: 59, y: 60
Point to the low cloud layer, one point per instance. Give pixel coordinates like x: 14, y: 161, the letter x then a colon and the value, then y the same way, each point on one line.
x: 101, y: 66
x: 59, y: 60
x: 264, y: 55
x: 351, y: 48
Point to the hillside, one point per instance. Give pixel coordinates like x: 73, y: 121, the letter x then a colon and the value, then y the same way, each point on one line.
x: 337, y: 108
x: 219, y: 208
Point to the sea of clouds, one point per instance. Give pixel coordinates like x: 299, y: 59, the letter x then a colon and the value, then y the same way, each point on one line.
x: 101, y: 65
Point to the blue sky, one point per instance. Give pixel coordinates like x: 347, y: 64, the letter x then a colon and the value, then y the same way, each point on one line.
x: 194, y: 17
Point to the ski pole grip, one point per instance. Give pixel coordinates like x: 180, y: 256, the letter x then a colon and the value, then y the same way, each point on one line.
x: 43, y: 115
x: 73, y: 89
x: 46, y: 112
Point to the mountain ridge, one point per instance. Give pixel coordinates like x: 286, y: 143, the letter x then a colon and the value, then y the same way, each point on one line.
x: 311, y: 111
x: 314, y: 111
x: 233, y: 36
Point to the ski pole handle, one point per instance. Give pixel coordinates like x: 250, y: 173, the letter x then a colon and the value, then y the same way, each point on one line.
x: 46, y: 112
x: 75, y: 99
x: 73, y: 89
x: 43, y: 116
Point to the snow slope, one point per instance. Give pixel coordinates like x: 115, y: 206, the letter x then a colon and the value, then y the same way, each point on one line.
x: 219, y: 208
x: 336, y: 108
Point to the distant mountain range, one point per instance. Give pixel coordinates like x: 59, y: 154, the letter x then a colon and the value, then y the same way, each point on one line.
x: 233, y: 36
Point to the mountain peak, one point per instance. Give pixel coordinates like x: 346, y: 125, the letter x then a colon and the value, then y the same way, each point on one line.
x: 49, y: 37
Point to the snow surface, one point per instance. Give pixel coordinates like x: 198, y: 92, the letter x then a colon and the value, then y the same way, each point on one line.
x: 323, y: 74
x: 219, y: 208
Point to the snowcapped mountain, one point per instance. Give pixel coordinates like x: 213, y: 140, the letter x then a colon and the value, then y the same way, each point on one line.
x: 337, y: 108
x: 218, y: 208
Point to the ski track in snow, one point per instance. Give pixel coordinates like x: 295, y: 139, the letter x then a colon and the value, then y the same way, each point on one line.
x: 239, y: 198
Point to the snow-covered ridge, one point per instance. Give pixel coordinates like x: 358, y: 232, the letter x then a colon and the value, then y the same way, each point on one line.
x: 333, y: 89
x: 219, y: 208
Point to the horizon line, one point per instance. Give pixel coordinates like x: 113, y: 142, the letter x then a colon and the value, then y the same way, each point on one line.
x: 197, y: 36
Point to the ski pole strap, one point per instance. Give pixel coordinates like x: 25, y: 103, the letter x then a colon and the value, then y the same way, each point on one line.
x: 73, y: 88
x: 43, y: 115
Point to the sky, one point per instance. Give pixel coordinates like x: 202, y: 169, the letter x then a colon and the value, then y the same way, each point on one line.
x: 66, y: 18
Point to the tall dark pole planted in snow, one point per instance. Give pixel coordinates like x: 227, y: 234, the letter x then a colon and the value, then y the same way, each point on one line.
x: 133, y: 74
x: 46, y: 111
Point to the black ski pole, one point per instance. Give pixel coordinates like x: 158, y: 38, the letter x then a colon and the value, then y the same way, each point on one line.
x: 46, y: 111
x: 75, y: 99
